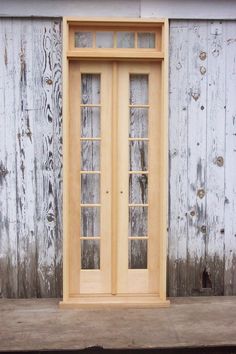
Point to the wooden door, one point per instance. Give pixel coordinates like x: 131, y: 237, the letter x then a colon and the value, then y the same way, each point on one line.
x: 115, y: 195
x: 138, y: 168
x: 90, y: 188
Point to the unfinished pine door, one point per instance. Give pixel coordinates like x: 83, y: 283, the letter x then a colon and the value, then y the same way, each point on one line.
x: 138, y: 183
x: 115, y: 140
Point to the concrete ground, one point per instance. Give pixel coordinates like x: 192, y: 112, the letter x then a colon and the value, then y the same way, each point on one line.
x: 189, y: 322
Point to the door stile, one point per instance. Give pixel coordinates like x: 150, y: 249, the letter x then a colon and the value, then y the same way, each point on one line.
x: 74, y: 177
x: 114, y: 181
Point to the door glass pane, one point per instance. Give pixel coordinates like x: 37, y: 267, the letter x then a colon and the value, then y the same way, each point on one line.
x: 138, y: 254
x: 138, y: 188
x: 138, y: 123
x: 138, y: 89
x: 83, y: 39
x: 90, y: 155
x: 90, y: 221
x: 90, y: 88
x: 125, y: 39
x: 104, y: 39
x: 90, y: 188
x: 138, y: 155
x: 90, y: 122
x: 138, y: 221
x: 146, y: 40
x: 90, y: 254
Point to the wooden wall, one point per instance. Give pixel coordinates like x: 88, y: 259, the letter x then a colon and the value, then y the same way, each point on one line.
x: 30, y: 158
x: 202, y: 182
x: 202, y: 158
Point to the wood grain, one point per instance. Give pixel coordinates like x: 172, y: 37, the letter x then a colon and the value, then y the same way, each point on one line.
x: 31, y: 146
x: 202, y: 147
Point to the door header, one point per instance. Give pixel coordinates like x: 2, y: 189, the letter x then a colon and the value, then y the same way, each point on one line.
x: 120, y: 39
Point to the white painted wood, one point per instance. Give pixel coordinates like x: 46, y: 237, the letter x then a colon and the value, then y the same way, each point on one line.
x: 197, y: 125
x: 207, y: 244
x: 178, y: 135
x: 182, y: 9
x: 191, y: 9
x: 59, y: 8
x: 230, y: 160
x: 30, y: 241
x: 215, y: 179
x: 8, y: 218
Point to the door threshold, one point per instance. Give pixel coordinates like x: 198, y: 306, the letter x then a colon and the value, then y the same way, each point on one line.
x: 114, y: 301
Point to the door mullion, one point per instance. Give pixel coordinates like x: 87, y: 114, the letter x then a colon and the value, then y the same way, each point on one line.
x: 114, y: 180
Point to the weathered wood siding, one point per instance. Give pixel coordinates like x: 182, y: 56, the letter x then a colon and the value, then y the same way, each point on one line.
x: 202, y: 142
x: 202, y: 151
x: 30, y: 158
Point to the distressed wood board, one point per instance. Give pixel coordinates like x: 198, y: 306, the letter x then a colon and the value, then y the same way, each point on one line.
x: 202, y: 148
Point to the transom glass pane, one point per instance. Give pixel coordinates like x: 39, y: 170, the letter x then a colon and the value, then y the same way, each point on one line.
x: 138, y: 89
x: 90, y: 88
x: 104, y: 39
x: 146, y: 40
x: 125, y: 39
x: 83, y: 39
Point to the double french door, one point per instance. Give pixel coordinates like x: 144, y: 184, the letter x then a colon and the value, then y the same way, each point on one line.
x: 115, y: 180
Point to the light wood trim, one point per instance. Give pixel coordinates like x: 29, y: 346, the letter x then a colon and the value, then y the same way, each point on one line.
x: 74, y: 176
x: 115, y: 20
x: 90, y: 139
x: 114, y: 182
x: 97, y: 53
x: 84, y: 172
x: 164, y: 162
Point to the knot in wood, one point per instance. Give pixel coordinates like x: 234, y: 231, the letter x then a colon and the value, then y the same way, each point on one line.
x: 192, y: 213
x: 49, y: 81
x: 201, y: 193
x: 202, y: 55
x: 202, y: 70
x: 220, y: 161
x: 203, y: 229
x: 3, y: 170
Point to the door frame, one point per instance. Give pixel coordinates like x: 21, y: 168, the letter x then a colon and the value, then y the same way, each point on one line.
x: 159, y: 53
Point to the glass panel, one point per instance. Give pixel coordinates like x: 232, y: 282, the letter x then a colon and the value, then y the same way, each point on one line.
x: 90, y: 155
x: 125, y: 39
x: 90, y: 188
x: 90, y: 254
x: 83, y: 39
x: 137, y: 254
x: 138, y: 189
x: 146, y: 40
x: 90, y: 88
x: 138, y: 155
x: 104, y: 39
x: 138, y: 89
x: 138, y: 221
x: 138, y: 123
x: 90, y: 122
x: 90, y: 221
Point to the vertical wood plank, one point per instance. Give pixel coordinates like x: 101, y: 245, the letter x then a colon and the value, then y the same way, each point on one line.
x: 178, y: 134
x: 30, y: 158
x: 214, y: 263
x: 8, y: 235
x: 230, y: 161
